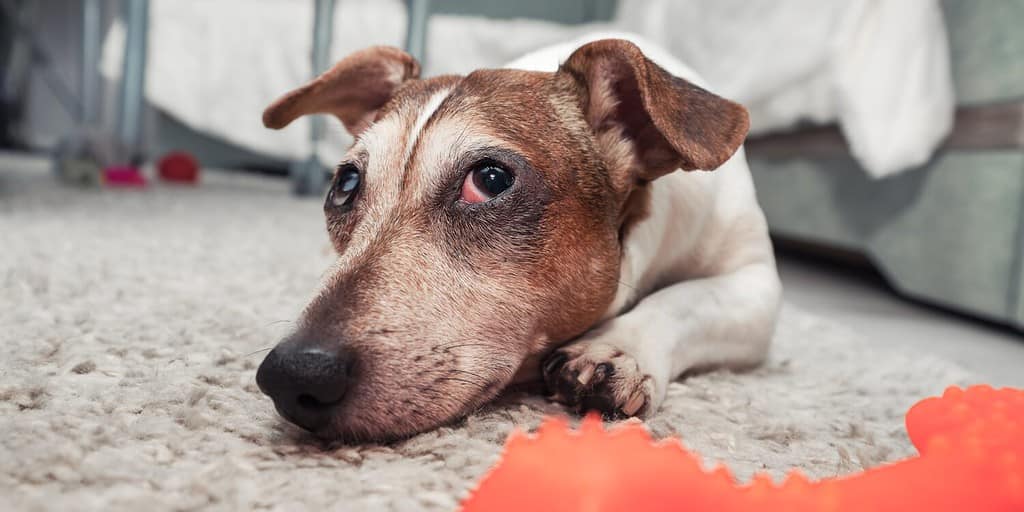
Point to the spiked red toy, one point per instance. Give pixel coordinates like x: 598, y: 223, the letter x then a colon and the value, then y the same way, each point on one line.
x: 971, y: 446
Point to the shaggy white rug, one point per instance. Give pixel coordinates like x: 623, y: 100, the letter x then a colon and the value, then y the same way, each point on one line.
x: 132, y: 322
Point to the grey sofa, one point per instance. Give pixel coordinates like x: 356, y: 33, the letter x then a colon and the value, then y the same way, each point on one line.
x: 950, y: 232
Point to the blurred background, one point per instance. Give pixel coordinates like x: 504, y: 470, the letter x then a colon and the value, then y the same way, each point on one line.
x: 887, y: 143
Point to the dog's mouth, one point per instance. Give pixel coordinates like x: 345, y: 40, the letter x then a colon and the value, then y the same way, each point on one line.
x: 335, y: 399
x: 354, y: 423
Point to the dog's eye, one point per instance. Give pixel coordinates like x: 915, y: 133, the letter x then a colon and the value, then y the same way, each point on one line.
x: 485, y: 183
x: 346, y: 183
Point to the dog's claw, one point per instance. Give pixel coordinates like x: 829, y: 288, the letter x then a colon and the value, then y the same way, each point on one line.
x: 584, y: 375
x: 634, y: 404
x: 552, y: 364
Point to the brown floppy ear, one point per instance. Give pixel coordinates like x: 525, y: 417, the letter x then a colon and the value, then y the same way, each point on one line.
x: 353, y: 90
x: 670, y: 122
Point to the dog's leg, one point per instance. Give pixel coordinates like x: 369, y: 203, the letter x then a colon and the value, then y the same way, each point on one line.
x: 623, y: 367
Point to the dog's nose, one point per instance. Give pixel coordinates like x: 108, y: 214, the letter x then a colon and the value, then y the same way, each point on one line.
x: 306, y: 383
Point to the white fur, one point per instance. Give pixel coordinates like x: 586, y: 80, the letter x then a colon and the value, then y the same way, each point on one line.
x: 425, y: 114
x: 699, y: 284
x: 383, y: 185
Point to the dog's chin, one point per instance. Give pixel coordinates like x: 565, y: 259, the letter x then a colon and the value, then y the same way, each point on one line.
x: 357, y: 422
x: 374, y: 434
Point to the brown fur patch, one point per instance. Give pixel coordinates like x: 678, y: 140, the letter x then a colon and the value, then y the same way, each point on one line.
x: 636, y: 208
x: 574, y: 279
x: 672, y: 122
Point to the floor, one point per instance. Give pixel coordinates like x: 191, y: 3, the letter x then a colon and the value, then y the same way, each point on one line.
x: 862, y: 301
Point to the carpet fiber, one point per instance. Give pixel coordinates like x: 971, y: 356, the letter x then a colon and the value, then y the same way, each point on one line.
x: 132, y: 322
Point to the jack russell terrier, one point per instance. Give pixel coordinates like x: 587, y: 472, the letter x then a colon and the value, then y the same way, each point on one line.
x: 513, y: 226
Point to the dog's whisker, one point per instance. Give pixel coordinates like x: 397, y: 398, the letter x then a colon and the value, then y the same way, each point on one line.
x: 258, y: 351
x: 627, y: 285
x: 478, y: 376
x: 461, y: 345
x: 480, y: 386
x: 621, y: 282
x: 615, y: 275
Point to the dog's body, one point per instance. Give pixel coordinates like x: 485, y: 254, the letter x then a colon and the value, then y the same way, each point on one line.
x: 509, y: 226
x: 698, y: 286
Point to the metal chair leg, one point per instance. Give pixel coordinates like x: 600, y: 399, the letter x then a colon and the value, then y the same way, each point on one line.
x: 80, y: 155
x: 310, y: 175
x: 133, y: 79
x: 90, y: 86
x: 416, y: 31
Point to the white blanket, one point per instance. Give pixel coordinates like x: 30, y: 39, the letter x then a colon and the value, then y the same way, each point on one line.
x: 879, y: 68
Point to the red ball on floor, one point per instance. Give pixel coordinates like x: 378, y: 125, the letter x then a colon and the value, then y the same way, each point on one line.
x: 178, y: 166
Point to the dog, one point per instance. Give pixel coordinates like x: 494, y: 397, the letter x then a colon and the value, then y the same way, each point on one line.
x: 555, y: 224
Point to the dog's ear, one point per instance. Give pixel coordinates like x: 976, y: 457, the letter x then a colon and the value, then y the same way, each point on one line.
x: 670, y: 122
x: 353, y: 90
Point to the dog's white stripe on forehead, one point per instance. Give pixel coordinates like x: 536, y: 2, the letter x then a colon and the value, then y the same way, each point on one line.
x: 426, y: 113
x: 386, y: 162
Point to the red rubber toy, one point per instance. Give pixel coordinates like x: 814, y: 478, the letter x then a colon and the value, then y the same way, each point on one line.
x: 971, y: 445
x: 179, y: 167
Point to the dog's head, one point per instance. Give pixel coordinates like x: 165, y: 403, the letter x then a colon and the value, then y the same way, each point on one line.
x: 478, y: 223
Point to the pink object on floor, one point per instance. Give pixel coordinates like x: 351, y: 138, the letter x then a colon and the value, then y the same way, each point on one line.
x: 123, y: 176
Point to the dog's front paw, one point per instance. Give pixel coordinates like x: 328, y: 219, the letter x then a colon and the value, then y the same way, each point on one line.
x: 598, y: 377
